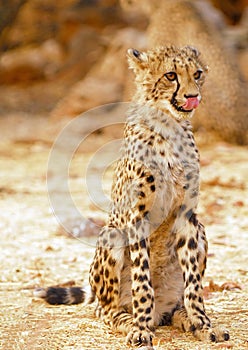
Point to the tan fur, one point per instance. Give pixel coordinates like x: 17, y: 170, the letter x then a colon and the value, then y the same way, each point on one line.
x: 151, y: 256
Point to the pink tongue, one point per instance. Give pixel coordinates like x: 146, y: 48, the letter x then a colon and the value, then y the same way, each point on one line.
x: 192, y: 102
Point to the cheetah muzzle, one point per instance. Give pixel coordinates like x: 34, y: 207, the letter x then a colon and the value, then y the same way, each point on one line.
x: 151, y: 256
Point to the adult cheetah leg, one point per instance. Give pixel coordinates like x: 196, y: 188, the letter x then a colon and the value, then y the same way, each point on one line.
x: 192, y: 254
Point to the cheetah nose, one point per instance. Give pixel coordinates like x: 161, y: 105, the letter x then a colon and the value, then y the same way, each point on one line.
x: 191, y: 102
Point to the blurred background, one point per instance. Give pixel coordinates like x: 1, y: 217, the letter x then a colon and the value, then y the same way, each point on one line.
x: 58, y: 59
x: 61, y: 58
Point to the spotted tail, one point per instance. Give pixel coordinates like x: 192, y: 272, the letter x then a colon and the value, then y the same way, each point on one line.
x: 68, y: 296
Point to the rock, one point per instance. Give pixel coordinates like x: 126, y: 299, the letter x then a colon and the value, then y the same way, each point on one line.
x: 105, y: 81
x: 31, y: 63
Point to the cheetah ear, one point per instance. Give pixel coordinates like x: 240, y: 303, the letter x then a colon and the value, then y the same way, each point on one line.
x: 137, y: 59
x: 194, y: 50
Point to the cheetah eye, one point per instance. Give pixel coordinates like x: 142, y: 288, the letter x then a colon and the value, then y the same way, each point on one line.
x: 197, y: 74
x: 171, y: 76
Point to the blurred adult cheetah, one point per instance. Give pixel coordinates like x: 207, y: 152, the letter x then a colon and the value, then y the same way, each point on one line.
x: 194, y: 22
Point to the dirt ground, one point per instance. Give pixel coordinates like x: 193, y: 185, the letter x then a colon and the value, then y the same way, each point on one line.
x: 34, y: 253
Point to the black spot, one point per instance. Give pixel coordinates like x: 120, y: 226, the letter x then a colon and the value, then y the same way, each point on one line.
x: 198, y: 277
x: 148, y: 310
x: 152, y: 188
x: 145, y: 287
x: 183, y: 261
x: 182, y: 208
x: 150, y: 179
x: 191, y: 277
x: 192, y: 259
x: 189, y: 214
x: 226, y: 336
x: 213, y: 337
x: 111, y: 261
x: 134, y: 247
x: 141, y: 194
x: 105, y: 254
x: 192, y: 244
x: 192, y: 296
x: 136, y: 53
x: 184, y: 279
x: 143, y: 300
x: 97, y: 278
x: 181, y: 242
x: 135, y: 304
x: 142, y: 278
x: 145, y: 265
x: 198, y: 309
x: 143, y: 243
x: 96, y: 265
x: 101, y: 290
x: 193, y: 219
x: 192, y: 328
x: 142, y: 319
x: 137, y: 261
x: 106, y: 273
x: 189, y: 176
x: 110, y: 289
x: 142, y: 207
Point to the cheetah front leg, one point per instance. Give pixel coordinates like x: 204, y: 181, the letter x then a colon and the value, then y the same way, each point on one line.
x: 142, y: 291
x: 192, y: 255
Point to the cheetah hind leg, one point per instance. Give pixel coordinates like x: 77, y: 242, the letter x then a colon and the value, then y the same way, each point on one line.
x: 181, y: 320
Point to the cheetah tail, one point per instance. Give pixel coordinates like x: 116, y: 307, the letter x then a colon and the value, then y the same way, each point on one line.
x: 70, y: 295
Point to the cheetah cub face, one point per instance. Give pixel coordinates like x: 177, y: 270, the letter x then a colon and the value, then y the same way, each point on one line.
x: 169, y: 79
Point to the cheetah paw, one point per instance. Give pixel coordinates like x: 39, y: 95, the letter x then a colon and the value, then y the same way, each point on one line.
x: 218, y: 334
x: 215, y: 334
x: 137, y: 337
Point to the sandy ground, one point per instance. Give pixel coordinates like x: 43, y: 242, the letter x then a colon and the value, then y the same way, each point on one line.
x: 34, y: 254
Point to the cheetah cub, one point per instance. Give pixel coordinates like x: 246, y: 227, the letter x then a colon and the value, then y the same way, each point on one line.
x: 151, y: 256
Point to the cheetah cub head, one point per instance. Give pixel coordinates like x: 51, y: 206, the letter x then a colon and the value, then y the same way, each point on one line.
x: 169, y: 79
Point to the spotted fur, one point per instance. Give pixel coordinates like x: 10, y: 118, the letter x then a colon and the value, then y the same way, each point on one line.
x: 151, y: 256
